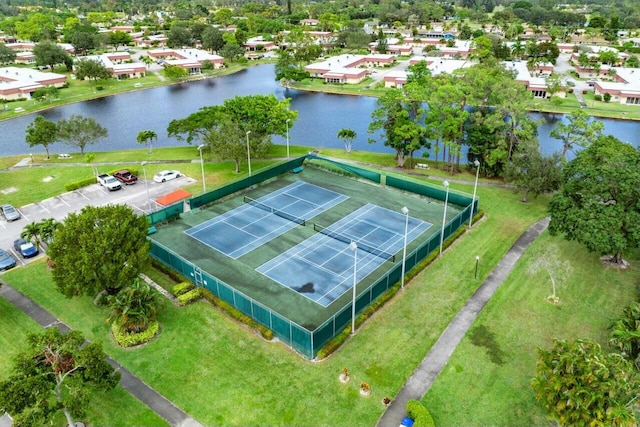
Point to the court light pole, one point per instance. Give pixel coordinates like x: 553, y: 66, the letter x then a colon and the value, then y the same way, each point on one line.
x: 444, y: 215
x: 405, y: 211
x: 146, y: 184
x: 354, y: 247
x: 204, y: 184
x: 476, y: 163
x: 288, y: 120
x: 249, y: 152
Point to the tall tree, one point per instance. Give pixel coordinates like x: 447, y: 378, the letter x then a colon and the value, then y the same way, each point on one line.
x: 56, y: 373
x: 119, y: 38
x: 146, y: 137
x: 599, y: 202
x: 49, y: 54
x: 212, y: 39
x: 100, y: 248
x: 224, y: 128
x: 532, y: 173
x: 7, y: 55
x: 92, y: 69
x: 580, y: 385
x: 80, y: 131
x: 41, y: 132
x: 579, y: 131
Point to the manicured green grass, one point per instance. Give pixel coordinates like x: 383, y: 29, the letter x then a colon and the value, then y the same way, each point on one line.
x: 487, y: 379
x: 202, y: 358
x: 114, y: 408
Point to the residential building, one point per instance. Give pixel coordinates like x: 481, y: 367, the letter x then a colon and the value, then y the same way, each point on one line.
x: 625, y: 89
x: 189, y: 59
x: 18, y: 83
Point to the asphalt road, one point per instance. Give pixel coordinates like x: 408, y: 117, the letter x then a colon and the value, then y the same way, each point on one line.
x: 59, y: 207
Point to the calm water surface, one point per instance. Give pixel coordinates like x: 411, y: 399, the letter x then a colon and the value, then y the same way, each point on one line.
x: 320, y: 118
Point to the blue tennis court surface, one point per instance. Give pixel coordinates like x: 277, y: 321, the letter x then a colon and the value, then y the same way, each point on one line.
x: 249, y: 226
x: 321, y: 267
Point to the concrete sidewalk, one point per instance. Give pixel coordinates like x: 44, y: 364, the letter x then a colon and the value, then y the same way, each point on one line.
x: 423, y: 377
x: 154, y: 400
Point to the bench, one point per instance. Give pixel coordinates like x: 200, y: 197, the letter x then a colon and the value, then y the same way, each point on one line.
x: 297, y: 170
x: 422, y: 166
x: 64, y: 156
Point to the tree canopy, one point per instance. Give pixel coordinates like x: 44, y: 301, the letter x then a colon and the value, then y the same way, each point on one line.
x: 580, y: 385
x: 41, y: 132
x: 99, y: 248
x: 91, y: 69
x: 80, y: 131
x: 56, y: 373
x: 579, y: 131
x: 224, y: 128
x: 599, y: 202
x: 49, y: 54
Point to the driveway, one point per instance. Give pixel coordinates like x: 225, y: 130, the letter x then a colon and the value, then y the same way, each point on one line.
x: 59, y: 207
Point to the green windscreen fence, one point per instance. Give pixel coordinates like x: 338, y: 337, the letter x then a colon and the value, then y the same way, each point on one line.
x: 303, y: 339
x: 364, y: 173
x: 241, y: 184
x: 165, y: 214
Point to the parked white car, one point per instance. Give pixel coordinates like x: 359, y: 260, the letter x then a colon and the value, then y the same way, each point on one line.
x: 163, y: 176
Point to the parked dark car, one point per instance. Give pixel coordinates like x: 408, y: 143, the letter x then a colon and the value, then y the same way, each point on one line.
x: 24, y: 248
x: 125, y: 177
x: 10, y: 213
x: 6, y: 261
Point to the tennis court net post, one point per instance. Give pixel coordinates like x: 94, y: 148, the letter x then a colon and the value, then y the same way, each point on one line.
x: 346, y: 239
x: 260, y: 205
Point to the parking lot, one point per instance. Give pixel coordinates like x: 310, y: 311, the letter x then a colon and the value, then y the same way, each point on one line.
x: 140, y: 196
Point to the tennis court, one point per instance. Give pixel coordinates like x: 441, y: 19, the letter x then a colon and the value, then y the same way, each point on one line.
x: 259, y: 221
x: 321, y: 267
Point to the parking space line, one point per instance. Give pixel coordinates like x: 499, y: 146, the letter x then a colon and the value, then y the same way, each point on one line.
x: 62, y: 200
x: 82, y: 194
x: 44, y: 207
x: 17, y: 257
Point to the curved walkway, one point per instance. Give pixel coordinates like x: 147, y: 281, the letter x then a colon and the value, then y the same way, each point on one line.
x: 154, y: 400
x: 423, y: 377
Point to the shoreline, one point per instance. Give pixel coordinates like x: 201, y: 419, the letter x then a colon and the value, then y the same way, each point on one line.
x: 328, y: 90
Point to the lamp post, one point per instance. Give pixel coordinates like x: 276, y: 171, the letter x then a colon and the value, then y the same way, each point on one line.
x: 476, y: 163
x: 204, y: 184
x: 444, y: 215
x: 146, y: 184
x: 405, y: 211
x: 354, y: 247
x: 288, y: 120
x: 249, y: 152
x: 475, y: 275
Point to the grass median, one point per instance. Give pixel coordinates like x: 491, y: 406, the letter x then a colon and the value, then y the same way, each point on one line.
x: 113, y: 408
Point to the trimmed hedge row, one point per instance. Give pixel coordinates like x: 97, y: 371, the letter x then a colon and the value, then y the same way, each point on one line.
x: 419, y: 414
x: 189, y: 296
x: 129, y: 340
x: 182, y: 288
x: 237, y: 314
x: 339, y: 339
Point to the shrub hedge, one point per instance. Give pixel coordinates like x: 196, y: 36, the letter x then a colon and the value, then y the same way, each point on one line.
x: 189, y: 296
x: 339, y: 339
x: 237, y: 314
x: 92, y: 180
x: 182, y: 288
x: 419, y: 414
x: 129, y: 340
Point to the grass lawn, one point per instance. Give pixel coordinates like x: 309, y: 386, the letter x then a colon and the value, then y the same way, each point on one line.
x: 113, y: 408
x: 222, y: 374
x: 487, y: 379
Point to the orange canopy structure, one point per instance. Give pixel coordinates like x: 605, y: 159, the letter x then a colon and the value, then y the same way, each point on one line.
x: 171, y: 198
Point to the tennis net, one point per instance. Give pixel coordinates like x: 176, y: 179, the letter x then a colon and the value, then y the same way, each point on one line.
x: 274, y: 211
x: 346, y: 239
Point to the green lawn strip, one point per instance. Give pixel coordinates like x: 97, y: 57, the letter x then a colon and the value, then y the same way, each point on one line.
x: 486, y: 381
x: 114, y: 408
x: 227, y: 367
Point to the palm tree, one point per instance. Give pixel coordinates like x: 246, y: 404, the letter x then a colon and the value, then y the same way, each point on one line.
x: 625, y: 332
x: 146, y: 60
x: 517, y: 49
x: 145, y: 137
x: 135, y: 307
x: 48, y: 227
x: 31, y: 232
x: 348, y: 135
